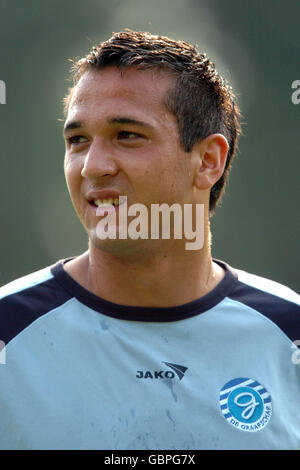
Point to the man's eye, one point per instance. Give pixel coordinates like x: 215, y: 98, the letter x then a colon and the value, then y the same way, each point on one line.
x: 76, y: 139
x: 128, y: 135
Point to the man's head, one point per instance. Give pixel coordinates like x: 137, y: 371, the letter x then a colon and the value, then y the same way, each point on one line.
x: 198, y: 97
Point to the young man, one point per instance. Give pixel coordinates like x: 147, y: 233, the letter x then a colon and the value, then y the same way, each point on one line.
x: 141, y: 343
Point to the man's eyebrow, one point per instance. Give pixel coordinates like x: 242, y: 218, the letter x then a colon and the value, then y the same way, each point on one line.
x: 128, y: 120
x: 72, y: 125
x: 113, y: 120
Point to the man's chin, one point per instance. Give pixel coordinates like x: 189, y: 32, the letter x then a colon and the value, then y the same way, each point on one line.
x: 114, y: 246
x: 124, y: 248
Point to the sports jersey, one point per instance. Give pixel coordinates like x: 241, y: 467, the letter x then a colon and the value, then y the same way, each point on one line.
x: 80, y: 372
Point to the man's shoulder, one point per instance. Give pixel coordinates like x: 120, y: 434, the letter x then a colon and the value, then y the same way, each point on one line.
x: 26, y: 299
x: 266, y: 288
x: 26, y: 282
x: 268, y: 299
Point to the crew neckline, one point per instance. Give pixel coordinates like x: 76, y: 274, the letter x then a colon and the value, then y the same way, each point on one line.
x: 147, y: 314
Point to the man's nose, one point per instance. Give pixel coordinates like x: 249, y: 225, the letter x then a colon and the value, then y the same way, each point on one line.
x: 99, y: 161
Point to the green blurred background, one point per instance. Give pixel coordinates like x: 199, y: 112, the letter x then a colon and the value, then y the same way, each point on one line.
x: 255, y: 45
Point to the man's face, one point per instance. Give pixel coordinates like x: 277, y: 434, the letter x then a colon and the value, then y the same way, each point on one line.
x: 120, y: 136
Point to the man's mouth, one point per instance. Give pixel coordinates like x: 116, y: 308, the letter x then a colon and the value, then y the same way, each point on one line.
x: 105, y: 198
x: 106, y: 202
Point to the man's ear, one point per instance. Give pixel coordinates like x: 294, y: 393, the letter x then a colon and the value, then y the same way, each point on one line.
x: 210, y: 162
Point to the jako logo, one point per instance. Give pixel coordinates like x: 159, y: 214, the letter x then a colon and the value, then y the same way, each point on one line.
x: 163, y: 374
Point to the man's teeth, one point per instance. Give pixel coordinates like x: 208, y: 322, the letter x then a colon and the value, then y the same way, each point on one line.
x: 105, y: 202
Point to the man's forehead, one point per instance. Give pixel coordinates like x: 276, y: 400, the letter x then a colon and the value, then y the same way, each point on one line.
x: 138, y: 94
x: 129, y: 83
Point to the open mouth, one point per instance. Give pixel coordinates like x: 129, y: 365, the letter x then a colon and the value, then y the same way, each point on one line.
x: 108, y: 205
x: 105, y: 202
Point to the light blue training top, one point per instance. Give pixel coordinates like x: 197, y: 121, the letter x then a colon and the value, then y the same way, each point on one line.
x: 79, y: 372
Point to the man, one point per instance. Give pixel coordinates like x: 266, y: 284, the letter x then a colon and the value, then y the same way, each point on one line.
x: 141, y: 343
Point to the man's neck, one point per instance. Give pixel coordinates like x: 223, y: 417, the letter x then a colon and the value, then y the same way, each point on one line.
x: 161, y: 280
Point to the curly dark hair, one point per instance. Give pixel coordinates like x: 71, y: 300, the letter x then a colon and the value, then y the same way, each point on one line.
x: 201, y: 100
